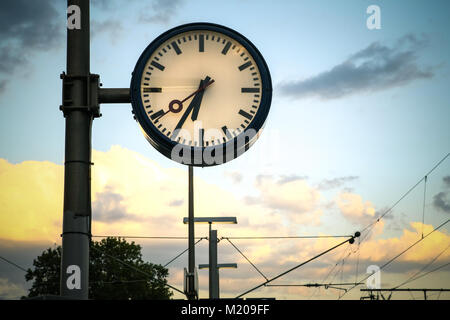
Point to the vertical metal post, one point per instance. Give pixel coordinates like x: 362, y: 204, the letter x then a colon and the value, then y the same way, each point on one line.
x: 191, y: 236
x: 77, y: 166
x: 209, y: 261
x: 213, y: 268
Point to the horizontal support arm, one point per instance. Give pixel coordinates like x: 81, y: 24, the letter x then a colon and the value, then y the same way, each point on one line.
x: 115, y: 95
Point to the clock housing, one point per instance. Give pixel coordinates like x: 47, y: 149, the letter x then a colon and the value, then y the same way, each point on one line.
x: 233, y: 109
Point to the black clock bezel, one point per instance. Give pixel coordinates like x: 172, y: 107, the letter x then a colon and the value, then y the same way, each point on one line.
x: 164, y: 144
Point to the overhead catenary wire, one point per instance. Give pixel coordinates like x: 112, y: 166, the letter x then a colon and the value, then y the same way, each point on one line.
x: 314, y: 293
x: 420, y: 271
x: 357, y: 260
x: 424, y: 199
x: 316, y: 285
x: 142, y: 237
x: 13, y: 264
x: 288, y: 237
x: 428, y: 272
x: 233, y: 238
x: 351, y: 240
x: 369, y: 228
x: 248, y: 260
x: 401, y: 253
x: 406, y: 194
x: 313, y: 284
x: 180, y: 254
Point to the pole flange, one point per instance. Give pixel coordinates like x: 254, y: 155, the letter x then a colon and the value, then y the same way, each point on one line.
x: 91, y: 84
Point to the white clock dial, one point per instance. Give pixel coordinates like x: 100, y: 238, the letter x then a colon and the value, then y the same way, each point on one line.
x: 230, y: 91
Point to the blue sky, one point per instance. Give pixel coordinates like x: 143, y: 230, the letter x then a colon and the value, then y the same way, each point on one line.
x: 375, y: 138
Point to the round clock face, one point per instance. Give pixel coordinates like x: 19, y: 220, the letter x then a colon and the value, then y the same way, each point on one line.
x: 201, y: 93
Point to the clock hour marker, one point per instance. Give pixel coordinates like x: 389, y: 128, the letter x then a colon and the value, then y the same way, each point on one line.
x: 176, y: 47
x: 157, y: 115
x: 245, y: 65
x: 201, y: 43
x: 226, y: 48
x: 157, y: 65
x: 245, y: 114
x: 152, y: 89
x: 249, y: 90
x: 226, y: 132
x: 201, y: 134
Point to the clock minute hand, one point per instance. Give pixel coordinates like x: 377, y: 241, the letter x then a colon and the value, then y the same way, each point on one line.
x: 206, y: 82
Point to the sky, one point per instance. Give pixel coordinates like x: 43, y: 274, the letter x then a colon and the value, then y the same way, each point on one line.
x: 358, y: 117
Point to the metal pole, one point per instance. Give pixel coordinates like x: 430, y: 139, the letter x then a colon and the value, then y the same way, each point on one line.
x: 77, y: 166
x: 213, y: 268
x: 210, y: 262
x: 191, y: 268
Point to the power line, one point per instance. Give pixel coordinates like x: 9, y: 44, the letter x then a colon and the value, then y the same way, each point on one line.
x: 286, y: 237
x: 330, y: 272
x: 313, y: 285
x: 351, y: 240
x: 431, y: 271
x: 407, y: 193
x: 13, y: 264
x: 424, y: 198
x: 142, y: 237
x: 234, y: 238
x: 398, y: 255
x: 418, y: 272
x: 179, y: 255
x: 335, y: 286
x: 246, y: 258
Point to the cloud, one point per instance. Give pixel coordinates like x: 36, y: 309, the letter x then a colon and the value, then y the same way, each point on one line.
x: 354, y: 208
x: 336, y: 182
x: 112, y: 27
x: 235, y: 176
x: 379, y: 250
x: 440, y: 202
x: 134, y: 195
x: 27, y: 27
x: 290, y: 195
x: 176, y: 203
x: 31, y: 199
x: 290, y: 178
x: 446, y: 180
x: 108, y: 207
x: 375, y: 68
x: 10, y: 290
x: 160, y: 11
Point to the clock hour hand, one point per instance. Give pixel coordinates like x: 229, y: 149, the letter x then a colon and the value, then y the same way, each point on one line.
x: 200, y: 96
x: 184, y: 117
x: 194, y: 102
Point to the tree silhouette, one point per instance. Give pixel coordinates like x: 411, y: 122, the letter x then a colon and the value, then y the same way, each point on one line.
x: 116, y: 272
